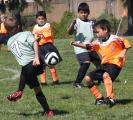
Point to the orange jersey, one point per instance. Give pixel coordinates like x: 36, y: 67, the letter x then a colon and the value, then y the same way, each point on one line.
x: 2, y: 29
x: 44, y: 30
x: 110, y: 50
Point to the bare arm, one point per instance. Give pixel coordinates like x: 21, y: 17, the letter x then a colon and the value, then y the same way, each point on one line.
x: 36, y: 59
x: 70, y: 29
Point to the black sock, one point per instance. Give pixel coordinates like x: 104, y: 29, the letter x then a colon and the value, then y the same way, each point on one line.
x: 22, y: 83
x: 42, y: 100
x: 82, y: 71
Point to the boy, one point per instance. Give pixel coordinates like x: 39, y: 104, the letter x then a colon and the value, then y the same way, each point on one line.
x: 112, y: 50
x: 2, y: 28
x: 42, y: 32
x: 82, y: 30
x: 25, y: 49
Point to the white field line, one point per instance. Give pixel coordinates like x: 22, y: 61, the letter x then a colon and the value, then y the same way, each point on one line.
x: 15, y: 72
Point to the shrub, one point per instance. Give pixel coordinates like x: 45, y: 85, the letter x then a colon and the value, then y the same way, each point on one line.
x: 60, y: 29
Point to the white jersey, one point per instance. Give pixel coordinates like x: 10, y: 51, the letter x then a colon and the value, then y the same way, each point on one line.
x: 21, y: 45
x: 83, y: 33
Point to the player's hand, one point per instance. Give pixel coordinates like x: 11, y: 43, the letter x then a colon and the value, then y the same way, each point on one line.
x: 36, y: 62
x: 71, y: 42
x: 122, y: 55
x: 40, y: 36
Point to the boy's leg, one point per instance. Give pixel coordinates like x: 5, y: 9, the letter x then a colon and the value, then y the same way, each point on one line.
x: 82, y: 71
x: 84, y: 61
x: 18, y: 94
x: 43, y: 101
x: 43, y: 78
x: 108, y: 85
x: 54, y: 76
x: 95, y: 75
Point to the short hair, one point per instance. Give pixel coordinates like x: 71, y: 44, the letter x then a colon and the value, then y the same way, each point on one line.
x: 84, y: 6
x: 11, y: 25
x: 41, y: 13
x: 103, y: 24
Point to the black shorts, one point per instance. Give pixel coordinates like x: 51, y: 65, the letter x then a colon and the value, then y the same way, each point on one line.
x: 30, y: 73
x: 89, y: 56
x: 111, y: 69
x: 49, y: 47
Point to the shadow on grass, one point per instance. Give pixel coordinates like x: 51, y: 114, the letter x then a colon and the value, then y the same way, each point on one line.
x: 123, y: 101
x: 66, y: 82
x: 40, y: 113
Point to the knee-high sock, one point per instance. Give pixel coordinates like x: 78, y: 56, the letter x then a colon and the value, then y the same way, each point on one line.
x: 42, y: 100
x: 53, y: 73
x: 43, y: 77
x: 22, y: 83
x: 93, y: 89
x: 108, y: 86
x: 82, y: 71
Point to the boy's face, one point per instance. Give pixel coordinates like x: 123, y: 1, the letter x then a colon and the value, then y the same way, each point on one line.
x: 40, y: 20
x: 100, y: 33
x: 83, y: 15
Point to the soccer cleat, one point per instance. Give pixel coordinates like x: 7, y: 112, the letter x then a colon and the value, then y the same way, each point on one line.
x: 109, y: 101
x: 15, y: 96
x: 56, y: 82
x: 44, y: 84
x: 78, y: 85
x: 49, y: 113
x: 99, y: 101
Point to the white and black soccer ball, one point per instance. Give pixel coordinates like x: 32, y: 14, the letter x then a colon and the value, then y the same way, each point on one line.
x: 51, y: 59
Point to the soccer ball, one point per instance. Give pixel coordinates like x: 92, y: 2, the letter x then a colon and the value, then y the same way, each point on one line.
x: 51, y: 59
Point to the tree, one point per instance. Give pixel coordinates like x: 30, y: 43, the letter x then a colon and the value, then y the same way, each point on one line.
x: 15, y: 7
x: 129, y: 5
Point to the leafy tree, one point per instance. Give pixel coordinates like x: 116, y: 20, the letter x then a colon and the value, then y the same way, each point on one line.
x: 15, y: 7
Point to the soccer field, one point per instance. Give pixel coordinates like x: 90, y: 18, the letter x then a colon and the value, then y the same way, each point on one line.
x: 67, y: 102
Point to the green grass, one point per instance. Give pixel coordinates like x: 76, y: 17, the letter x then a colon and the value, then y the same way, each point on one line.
x: 69, y: 103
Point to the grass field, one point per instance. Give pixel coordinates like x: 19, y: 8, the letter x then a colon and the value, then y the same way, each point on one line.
x: 68, y: 103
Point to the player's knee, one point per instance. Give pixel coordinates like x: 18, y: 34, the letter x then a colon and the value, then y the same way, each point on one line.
x: 89, y: 81
x: 106, y: 75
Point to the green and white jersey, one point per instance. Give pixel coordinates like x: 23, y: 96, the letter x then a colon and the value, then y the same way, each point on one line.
x: 21, y: 45
x: 83, y: 33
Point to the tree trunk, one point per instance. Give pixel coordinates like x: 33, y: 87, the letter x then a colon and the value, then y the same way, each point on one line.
x: 130, y: 18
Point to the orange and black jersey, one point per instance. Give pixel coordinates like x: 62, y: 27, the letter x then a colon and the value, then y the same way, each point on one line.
x: 45, y: 30
x: 110, y: 49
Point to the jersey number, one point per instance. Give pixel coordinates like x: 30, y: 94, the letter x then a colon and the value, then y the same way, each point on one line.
x: 15, y: 49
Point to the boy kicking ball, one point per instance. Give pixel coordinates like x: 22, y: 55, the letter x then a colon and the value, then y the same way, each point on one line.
x: 112, y: 50
x: 25, y: 49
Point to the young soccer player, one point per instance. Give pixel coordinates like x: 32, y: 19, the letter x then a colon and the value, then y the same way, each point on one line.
x: 82, y: 30
x: 42, y: 32
x: 25, y: 49
x: 2, y: 28
x: 112, y: 50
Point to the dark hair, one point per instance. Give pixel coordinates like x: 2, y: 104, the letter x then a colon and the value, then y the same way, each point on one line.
x: 103, y: 24
x: 84, y: 7
x: 41, y: 13
x: 11, y: 25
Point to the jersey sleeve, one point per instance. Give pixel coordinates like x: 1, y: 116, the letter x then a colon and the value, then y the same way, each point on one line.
x: 126, y: 43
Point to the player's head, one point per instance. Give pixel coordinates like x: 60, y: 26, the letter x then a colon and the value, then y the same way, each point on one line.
x: 102, y: 28
x: 83, y: 11
x: 41, y: 18
x: 11, y: 25
x: 3, y: 17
